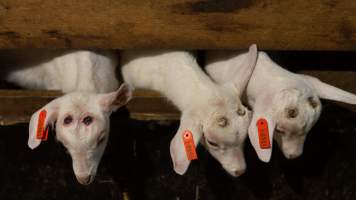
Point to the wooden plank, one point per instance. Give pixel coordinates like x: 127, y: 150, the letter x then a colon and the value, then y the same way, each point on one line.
x: 188, y: 24
x: 17, y: 106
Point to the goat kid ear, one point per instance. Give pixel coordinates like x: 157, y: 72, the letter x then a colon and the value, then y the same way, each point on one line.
x: 259, y: 144
x: 114, y: 100
x: 245, y: 71
x: 46, y: 120
x: 326, y: 91
x: 177, y: 148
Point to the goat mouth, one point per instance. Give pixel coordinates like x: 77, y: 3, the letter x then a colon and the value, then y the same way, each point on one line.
x: 85, y: 180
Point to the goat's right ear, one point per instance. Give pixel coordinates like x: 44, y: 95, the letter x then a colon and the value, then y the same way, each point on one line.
x: 49, y: 115
x: 177, y: 148
x: 114, y: 100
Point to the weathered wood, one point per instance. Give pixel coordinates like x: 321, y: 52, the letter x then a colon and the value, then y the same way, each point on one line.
x: 150, y: 105
x: 17, y: 106
x: 197, y: 24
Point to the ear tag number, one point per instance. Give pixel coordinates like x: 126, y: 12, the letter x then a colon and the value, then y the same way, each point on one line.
x: 189, y: 146
x: 263, y: 134
x: 42, y: 131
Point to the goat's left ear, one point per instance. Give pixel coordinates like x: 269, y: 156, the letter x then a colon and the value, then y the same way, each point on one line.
x: 177, y: 148
x: 262, y: 142
x: 245, y: 71
x: 326, y: 91
x: 41, y: 120
x: 114, y: 100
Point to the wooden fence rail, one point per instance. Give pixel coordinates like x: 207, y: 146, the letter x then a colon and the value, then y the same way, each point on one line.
x: 186, y: 24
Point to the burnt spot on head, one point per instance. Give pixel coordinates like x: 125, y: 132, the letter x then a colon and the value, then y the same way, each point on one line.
x: 222, y: 121
x: 312, y: 102
x: 241, y: 112
x: 292, y: 113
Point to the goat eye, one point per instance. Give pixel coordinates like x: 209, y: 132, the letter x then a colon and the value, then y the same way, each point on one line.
x: 100, y: 140
x: 222, y: 121
x: 241, y: 112
x: 213, y: 144
x: 87, y: 120
x: 67, y: 120
x: 292, y: 113
x: 279, y: 131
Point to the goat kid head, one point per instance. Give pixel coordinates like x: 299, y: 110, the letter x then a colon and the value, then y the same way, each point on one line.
x: 219, y: 123
x: 292, y: 112
x: 82, y: 125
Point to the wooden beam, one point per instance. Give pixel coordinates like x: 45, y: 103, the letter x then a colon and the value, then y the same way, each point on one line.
x: 188, y: 24
x: 17, y: 106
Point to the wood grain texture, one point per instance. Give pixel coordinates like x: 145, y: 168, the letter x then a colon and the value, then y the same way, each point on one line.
x: 17, y: 106
x: 187, y: 24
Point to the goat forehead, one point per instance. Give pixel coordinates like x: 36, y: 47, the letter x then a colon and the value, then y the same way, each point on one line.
x: 78, y: 104
x: 221, y: 108
x: 222, y: 136
x: 293, y: 102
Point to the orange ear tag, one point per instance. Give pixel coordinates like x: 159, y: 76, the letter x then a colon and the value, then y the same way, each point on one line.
x: 42, y: 133
x: 189, y: 146
x: 263, y: 134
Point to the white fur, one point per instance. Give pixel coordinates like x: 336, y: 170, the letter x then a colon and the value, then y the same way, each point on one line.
x: 204, y: 104
x: 272, y: 92
x: 71, y: 71
x: 83, y: 75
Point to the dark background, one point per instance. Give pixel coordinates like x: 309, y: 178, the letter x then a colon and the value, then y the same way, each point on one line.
x: 137, y: 165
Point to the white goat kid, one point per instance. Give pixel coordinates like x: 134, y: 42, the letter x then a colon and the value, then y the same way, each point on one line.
x: 288, y: 101
x: 81, y: 118
x: 214, y: 114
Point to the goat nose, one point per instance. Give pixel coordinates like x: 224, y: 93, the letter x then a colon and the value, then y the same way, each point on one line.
x: 85, y: 180
x: 292, y: 156
x: 239, y: 172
